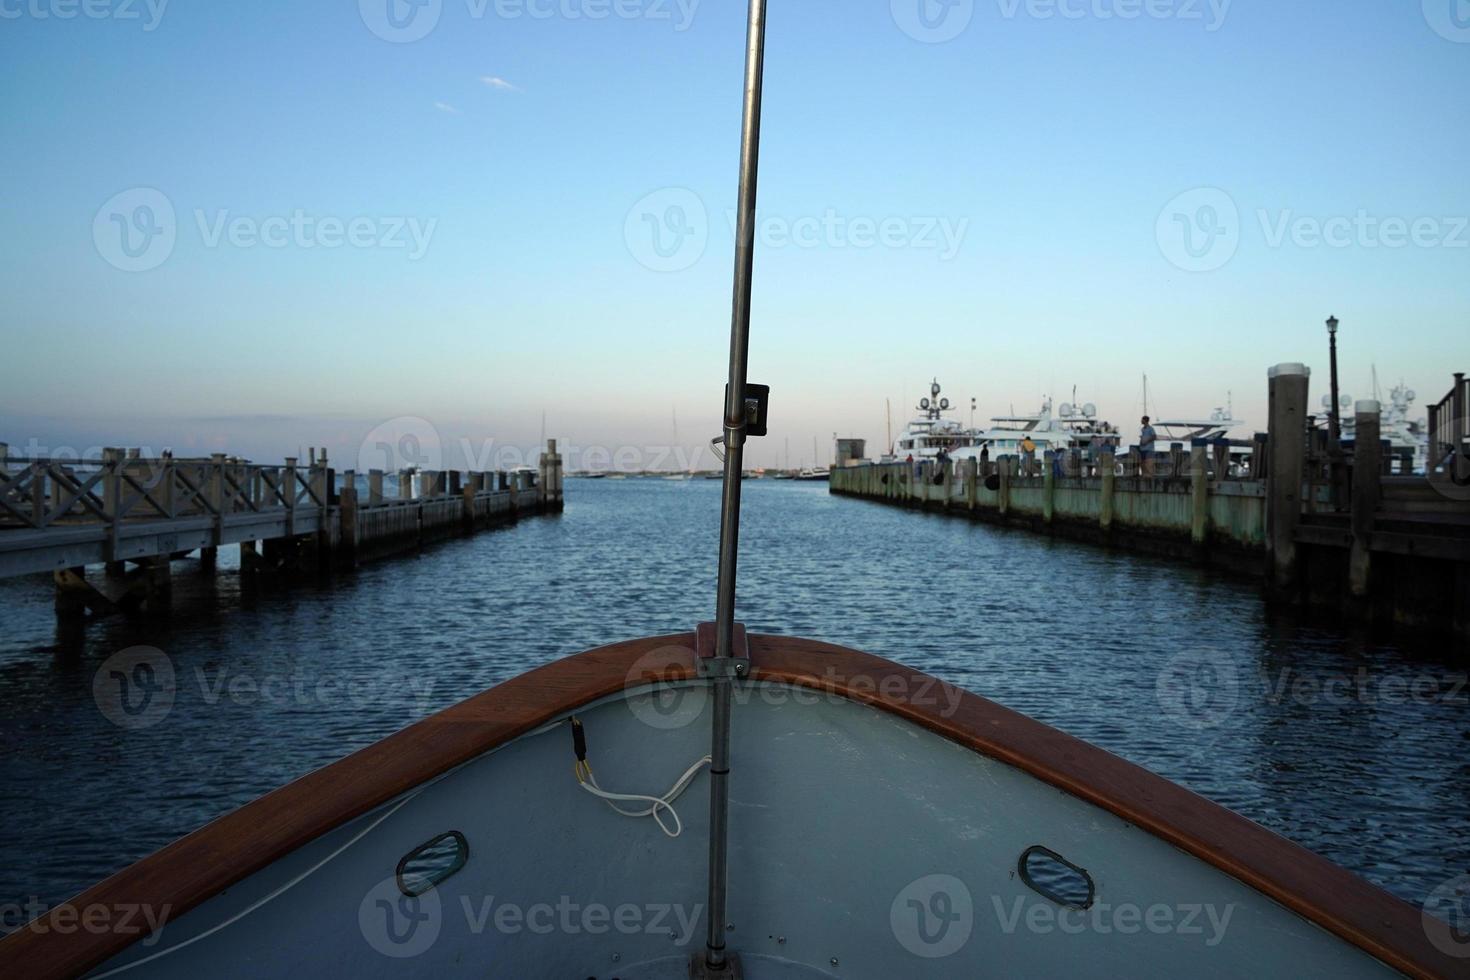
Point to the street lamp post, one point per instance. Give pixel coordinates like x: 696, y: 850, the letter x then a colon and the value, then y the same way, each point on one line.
x: 1334, y: 420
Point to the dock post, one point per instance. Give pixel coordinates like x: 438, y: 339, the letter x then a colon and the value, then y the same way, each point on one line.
x: 1108, y: 472
x: 1049, y: 489
x: 288, y: 494
x: 550, y: 477
x: 467, y: 501
x: 1199, y: 493
x: 1004, y: 496
x: 347, y: 520
x: 375, y: 488
x: 1367, y: 488
x: 1287, y: 396
x: 972, y: 483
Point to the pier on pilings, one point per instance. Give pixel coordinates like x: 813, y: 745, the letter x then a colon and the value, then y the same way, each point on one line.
x: 1355, y: 532
x: 130, y: 516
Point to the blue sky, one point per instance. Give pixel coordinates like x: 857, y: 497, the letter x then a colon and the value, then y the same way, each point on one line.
x: 1007, y: 209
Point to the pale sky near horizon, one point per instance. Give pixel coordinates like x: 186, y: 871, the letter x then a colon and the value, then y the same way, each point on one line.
x: 259, y: 227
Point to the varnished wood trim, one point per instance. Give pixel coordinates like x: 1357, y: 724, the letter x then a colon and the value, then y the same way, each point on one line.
x: 198, y: 866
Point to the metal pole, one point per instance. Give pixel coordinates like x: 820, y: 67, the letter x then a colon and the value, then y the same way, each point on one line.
x: 1335, y: 427
x: 719, y: 800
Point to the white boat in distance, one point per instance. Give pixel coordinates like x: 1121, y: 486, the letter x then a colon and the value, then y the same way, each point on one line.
x: 928, y: 434
x: 1394, y: 425
x: 1071, y: 428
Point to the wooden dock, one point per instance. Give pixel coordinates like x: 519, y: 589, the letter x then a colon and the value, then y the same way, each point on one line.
x: 1348, y: 529
x: 134, y: 515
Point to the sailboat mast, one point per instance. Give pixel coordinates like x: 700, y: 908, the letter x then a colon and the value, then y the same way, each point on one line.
x: 715, y: 958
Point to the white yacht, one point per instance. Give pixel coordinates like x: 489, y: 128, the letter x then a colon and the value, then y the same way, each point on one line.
x: 1394, y: 424
x: 927, y: 434
x: 1072, y: 427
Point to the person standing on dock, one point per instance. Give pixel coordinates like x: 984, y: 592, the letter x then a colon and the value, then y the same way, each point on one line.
x: 1028, y: 455
x: 1146, y: 439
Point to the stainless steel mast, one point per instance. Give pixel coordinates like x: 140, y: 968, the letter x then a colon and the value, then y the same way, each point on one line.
x: 716, y: 959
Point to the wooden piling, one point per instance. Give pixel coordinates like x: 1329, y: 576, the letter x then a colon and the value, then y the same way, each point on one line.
x: 1199, y: 487
x: 347, y: 532
x: 1366, y: 492
x: 972, y: 483
x: 1108, y: 471
x: 1048, y: 489
x: 1287, y: 397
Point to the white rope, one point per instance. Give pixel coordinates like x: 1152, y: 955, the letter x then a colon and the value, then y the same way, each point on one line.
x: 274, y: 894
x: 655, y: 803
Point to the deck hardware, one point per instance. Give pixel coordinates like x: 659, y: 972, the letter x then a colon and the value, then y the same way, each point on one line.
x: 707, y: 664
x: 1055, y: 878
x: 757, y: 407
x: 431, y: 862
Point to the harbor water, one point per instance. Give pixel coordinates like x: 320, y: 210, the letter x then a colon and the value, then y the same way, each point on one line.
x: 1356, y: 748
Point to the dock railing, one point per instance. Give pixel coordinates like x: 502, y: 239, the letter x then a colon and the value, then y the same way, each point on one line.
x: 1448, y: 433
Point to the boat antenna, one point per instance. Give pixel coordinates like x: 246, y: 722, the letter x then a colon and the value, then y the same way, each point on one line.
x: 744, y: 415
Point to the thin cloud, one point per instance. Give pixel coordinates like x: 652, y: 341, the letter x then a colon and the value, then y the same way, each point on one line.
x: 496, y: 82
x: 446, y: 107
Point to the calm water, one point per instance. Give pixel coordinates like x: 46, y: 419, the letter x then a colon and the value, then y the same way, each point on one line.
x: 1359, y: 750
